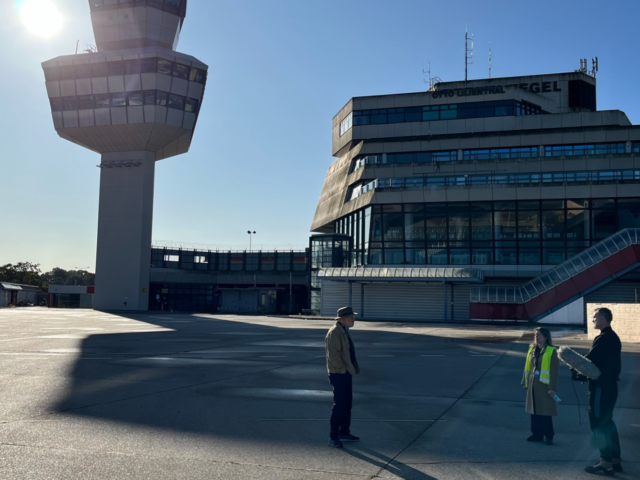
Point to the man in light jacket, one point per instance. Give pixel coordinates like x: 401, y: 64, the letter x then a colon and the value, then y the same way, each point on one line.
x: 341, y: 365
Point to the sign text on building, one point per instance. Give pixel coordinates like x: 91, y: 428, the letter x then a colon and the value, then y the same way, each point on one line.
x: 535, y: 87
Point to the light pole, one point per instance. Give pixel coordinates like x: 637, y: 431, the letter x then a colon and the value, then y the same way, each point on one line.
x: 77, y: 269
x: 250, y: 236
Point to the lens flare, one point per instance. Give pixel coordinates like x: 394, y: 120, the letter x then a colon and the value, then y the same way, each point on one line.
x: 41, y: 17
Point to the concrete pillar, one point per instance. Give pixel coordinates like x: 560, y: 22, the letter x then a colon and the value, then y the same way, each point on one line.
x: 125, y: 220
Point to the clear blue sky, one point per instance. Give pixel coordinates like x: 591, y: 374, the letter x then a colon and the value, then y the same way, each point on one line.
x: 279, y: 70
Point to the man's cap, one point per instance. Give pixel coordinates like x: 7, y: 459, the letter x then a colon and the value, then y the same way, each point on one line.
x: 345, y: 312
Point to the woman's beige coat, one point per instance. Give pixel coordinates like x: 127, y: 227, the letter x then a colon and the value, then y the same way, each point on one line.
x: 544, y: 404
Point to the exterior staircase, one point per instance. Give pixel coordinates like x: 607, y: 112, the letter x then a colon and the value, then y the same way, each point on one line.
x: 596, y: 266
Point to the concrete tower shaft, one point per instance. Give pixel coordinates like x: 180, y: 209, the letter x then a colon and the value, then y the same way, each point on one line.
x: 135, y: 101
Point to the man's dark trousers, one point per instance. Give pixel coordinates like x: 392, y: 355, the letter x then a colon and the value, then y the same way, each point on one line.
x: 605, y: 433
x: 342, y: 401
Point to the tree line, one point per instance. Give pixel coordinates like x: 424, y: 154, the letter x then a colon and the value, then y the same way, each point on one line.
x: 27, y: 273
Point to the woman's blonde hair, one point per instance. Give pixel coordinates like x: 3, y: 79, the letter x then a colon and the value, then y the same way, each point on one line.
x: 545, y: 333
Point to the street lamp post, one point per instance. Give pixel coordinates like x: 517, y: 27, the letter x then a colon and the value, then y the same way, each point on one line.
x: 250, y: 236
x: 75, y: 282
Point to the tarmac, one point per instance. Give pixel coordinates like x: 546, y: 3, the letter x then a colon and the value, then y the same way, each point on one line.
x: 91, y: 395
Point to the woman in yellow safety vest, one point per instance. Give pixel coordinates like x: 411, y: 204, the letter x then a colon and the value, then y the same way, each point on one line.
x: 540, y: 379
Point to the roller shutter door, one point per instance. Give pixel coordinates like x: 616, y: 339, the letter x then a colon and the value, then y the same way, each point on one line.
x: 404, y: 301
x: 461, y: 297
x: 335, y: 295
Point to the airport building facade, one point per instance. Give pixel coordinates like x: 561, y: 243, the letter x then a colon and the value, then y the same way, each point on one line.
x: 481, y: 200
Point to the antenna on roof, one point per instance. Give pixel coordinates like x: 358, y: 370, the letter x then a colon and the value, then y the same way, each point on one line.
x: 431, y: 81
x: 584, y: 68
x: 468, y: 53
x: 489, y: 59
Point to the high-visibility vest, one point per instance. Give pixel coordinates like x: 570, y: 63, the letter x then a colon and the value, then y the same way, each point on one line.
x: 545, y: 375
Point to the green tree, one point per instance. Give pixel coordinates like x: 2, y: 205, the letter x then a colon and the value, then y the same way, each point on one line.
x: 24, y: 273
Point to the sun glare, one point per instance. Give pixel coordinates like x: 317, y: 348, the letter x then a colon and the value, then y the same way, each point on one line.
x: 41, y: 17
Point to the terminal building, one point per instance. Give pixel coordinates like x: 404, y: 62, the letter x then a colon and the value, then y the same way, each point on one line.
x: 497, y: 199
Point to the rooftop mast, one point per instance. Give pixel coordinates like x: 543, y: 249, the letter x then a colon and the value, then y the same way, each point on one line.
x: 468, y: 53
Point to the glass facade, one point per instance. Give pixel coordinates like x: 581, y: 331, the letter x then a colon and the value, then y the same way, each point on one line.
x: 328, y: 251
x: 530, y: 232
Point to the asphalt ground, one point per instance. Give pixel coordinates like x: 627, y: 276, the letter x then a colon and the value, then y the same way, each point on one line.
x: 90, y: 395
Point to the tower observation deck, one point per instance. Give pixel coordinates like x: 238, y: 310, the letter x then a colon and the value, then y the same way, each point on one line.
x: 135, y: 101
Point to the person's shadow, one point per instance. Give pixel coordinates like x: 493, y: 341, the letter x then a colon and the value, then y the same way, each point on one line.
x: 387, y: 464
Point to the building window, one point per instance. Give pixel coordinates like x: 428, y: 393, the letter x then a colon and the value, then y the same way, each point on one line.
x: 581, y: 150
x: 444, y: 112
x: 500, y: 153
x: 148, y: 97
x: 551, y: 178
x: 346, y: 124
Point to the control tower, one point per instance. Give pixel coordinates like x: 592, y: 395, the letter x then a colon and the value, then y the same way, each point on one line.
x: 135, y: 101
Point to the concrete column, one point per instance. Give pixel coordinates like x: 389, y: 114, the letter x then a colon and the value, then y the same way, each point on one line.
x: 125, y: 220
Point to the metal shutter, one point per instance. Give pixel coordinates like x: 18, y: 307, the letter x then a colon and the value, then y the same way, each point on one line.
x: 403, y: 301
x: 461, y: 297
x: 335, y: 295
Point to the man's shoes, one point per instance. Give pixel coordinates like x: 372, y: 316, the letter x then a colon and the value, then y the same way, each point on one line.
x: 335, y: 443
x: 349, y: 438
x: 535, y: 438
x: 599, y: 468
x: 617, y: 466
x: 548, y: 440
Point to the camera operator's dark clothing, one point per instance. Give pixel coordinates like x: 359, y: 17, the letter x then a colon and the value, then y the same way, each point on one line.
x: 605, y: 354
x: 603, y: 393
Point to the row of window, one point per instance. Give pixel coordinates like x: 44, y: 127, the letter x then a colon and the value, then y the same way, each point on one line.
x: 176, y: 7
x: 556, y: 178
x: 362, y: 189
x: 497, y: 154
x: 125, y: 99
x: 421, y: 157
x: 507, y: 232
x: 594, y: 176
x: 229, y: 261
x: 513, y: 178
x: 501, y: 108
x: 126, y: 67
x: 475, y: 256
x: 593, y: 149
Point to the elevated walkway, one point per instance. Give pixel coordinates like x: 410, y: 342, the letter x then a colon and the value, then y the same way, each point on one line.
x: 596, y: 266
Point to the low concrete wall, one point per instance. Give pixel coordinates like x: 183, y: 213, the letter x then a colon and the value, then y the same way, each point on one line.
x: 626, y: 320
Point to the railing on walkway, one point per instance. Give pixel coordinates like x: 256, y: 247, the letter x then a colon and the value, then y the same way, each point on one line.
x: 559, y: 274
